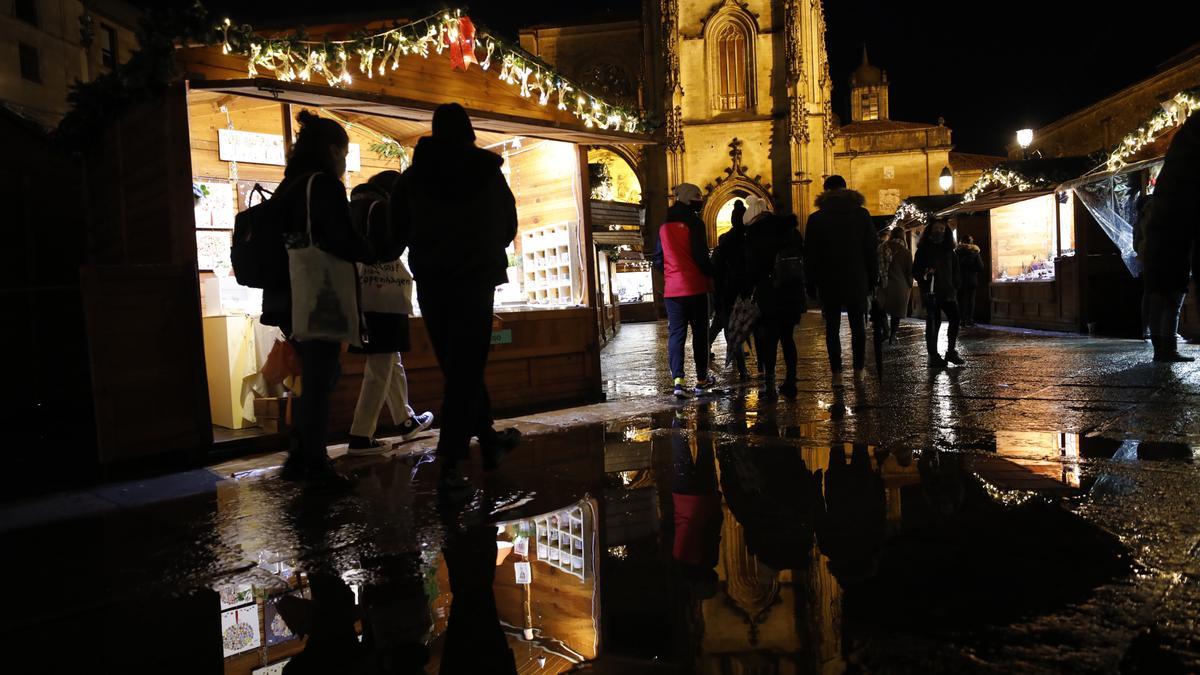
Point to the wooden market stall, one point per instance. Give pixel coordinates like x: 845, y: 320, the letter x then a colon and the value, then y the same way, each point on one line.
x: 169, y: 178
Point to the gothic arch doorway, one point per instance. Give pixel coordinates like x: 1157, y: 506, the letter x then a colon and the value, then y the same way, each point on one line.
x: 718, y: 205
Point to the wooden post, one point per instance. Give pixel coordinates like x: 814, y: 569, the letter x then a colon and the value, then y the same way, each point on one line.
x: 286, y: 111
x: 589, y: 254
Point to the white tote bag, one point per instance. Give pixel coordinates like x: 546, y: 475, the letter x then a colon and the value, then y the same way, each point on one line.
x: 324, y: 292
x: 387, y: 287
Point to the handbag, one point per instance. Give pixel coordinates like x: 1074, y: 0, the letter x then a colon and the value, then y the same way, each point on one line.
x: 324, y: 290
x: 742, y: 318
x: 283, y: 362
x: 385, y: 288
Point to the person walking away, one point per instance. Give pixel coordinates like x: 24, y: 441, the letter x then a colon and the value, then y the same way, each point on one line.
x: 938, y: 277
x: 1171, y: 235
x: 386, y: 297
x: 970, y: 264
x: 728, y: 263
x: 895, y: 280
x: 455, y: 212
x: 772, y: 239
x: 840, y: 260
x: 682, y: 256
x: 314, y: 200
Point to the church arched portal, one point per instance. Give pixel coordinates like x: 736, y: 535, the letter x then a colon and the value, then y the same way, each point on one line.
x: 718, y: 204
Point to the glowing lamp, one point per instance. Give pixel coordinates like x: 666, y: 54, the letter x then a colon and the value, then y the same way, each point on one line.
x: 946, y: 180
x: 1024, y: 138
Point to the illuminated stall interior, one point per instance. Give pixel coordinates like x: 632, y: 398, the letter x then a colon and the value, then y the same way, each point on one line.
x: 1029, y: 235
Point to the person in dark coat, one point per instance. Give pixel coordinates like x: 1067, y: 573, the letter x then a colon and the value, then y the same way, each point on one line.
x: 840, y: 260
x: 728, y: 261
x: 682, y: 255
x: 454, y: 211
x: 318, y: 161
x: 970, y: 264
x: 384, y: 379
x: 780, y: 305
x: 1171, y: 239
x: 895, y: 279
x: 939, y: 278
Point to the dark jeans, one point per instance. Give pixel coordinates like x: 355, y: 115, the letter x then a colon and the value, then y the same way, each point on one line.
x: 458, y: 318
x: 966, y: 304
x: 770, y: 333
x: 689, y: 310
x: 933, y: 323
x: 320, y: 367
x: 855, y: 313
x: 1162, y: 313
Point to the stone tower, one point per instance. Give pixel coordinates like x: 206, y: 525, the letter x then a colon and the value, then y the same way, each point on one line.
x: 868, y: 92
x: 744, y: 91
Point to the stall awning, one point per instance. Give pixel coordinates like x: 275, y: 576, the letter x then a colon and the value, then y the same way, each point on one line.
x: 382, y: 105
x: 1105, y: 175
x: 991, y: 201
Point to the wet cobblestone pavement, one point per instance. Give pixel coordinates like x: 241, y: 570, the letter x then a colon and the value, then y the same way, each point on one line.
x: 1035, y: 511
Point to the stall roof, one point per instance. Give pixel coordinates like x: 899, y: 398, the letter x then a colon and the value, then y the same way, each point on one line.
x: 395, y: 107
x: 994, y: 200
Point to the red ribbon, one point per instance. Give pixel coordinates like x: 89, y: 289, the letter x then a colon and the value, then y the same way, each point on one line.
x: 462, y: 48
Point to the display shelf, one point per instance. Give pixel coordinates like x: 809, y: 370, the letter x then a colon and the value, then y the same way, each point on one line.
x: 546, y: 255
x: 560, y: 541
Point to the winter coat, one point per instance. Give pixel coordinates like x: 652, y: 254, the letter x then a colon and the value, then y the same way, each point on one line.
x: 840, y: 256
x: 386, y: 332
x: 1174, y: 225
x: 946, y: 279
x: 332, y: 232
x: 896, y: 287
x: 970, y: 265
x: 682, y: 253
x: 454, y: 211
x: 729, y: 270
x: 766, y: 238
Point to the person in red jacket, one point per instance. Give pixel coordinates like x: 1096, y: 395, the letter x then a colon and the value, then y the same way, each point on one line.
x: 682, y: 256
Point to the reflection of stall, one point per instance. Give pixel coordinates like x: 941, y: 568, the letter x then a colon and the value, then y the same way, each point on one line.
x: 202, y: 148
x: 1031, y: 235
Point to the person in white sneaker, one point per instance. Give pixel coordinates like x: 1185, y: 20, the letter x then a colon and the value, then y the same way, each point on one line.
x: 386, y: 297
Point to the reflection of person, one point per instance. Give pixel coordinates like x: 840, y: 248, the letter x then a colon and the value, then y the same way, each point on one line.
x: 841, y: 265
x: 328, y: 622
x: 851, y: 533
x: 682, y: 255
x: 697, y: 502
x: 475, y: 642
x: 1171, y: 238
x: 455, y: 212
x: 775, y: 498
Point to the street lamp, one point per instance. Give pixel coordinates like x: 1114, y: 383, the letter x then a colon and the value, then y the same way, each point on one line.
x: 1024, y: 139
x: 946, y: 180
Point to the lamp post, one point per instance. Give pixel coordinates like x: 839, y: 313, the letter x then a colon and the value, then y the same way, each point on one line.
x: 1024, y: 139
x: 946, y: 180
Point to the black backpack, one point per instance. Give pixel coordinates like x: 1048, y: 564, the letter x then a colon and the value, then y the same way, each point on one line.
x: 258, y: 253
x: 789, y: 269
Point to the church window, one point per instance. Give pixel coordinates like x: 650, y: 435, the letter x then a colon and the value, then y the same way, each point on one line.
x: 731, y: 66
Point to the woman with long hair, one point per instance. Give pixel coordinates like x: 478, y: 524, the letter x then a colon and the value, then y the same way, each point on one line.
x: 938, y: 275
x: 895, y: 279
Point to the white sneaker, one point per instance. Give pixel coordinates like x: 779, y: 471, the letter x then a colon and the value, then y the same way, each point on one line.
x: 420, y: 423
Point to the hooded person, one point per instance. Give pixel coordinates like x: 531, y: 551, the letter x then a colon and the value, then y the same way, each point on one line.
x: 1171, y: 235
x: 682, y: 255
x: 842, y: 268
x: 970, y: 264
x: 728, y: 262
x: 780, y: 303
x: 454, y: 211
x: 939, y: 278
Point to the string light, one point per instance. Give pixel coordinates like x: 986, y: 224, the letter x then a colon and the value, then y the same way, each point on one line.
x: 291, y: 58
x: 909, y: 211
x: 1002, y: 178
x: 1175, y: 111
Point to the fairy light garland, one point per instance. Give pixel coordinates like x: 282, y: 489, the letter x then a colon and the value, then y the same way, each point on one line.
x: 295, y: 58
x: 909, y: 211
x: 1002, y: 178
x: 1175, y: 111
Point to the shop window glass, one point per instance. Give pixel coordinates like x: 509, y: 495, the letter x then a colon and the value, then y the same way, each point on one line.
x: 1024, y: 240
x: 633, y: 282
x: 108, y: 46
x: 31, y: 69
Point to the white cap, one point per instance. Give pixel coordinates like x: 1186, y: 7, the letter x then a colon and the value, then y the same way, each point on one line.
x: 687, y: 193
x: 756, y: 207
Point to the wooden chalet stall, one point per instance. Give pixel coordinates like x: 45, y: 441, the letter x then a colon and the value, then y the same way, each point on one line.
x: 171, y: 176
x: 1031, y: 231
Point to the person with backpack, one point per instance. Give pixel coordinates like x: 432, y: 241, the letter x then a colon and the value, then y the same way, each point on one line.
x: 840, y: 259
x: 938, y: 276
x: 312, y: 212
x: 775, y: 277
x: 682, y: 255
x: 454, y: 211
x: 386, y: 298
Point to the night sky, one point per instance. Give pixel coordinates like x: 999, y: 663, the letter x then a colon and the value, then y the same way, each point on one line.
x: 1021, y: 63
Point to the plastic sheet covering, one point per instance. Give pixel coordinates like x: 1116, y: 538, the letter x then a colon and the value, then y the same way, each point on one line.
x: 1100, y: 198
